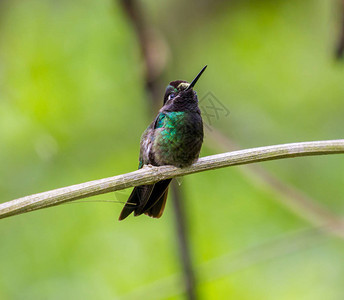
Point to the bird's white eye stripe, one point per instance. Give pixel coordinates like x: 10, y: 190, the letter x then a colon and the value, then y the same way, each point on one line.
x: 171, y: 96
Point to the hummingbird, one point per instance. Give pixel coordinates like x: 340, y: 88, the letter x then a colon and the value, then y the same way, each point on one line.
x: 175, y: 138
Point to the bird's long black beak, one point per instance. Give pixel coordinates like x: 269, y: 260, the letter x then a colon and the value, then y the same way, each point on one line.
x: 192, y: 84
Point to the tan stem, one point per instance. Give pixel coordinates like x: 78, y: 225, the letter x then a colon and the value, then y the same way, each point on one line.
x: 152, y: 174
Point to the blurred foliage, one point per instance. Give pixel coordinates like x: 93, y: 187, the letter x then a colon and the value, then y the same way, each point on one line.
x: 73, y: 107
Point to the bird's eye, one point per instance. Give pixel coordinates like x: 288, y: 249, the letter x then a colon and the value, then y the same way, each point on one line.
x: 171, y: 96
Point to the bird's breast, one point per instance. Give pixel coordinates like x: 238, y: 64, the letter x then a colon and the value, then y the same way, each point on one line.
x: 178, y: 141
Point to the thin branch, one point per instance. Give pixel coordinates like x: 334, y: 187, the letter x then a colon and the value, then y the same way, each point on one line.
x: 152, y: 174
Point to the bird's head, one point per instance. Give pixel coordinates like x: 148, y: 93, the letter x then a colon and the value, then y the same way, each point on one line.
x: 181, y: 91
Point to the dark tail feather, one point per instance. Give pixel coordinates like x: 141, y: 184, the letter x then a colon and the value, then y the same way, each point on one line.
x: 137, y: 200
x: 147, y: 199
x: 157, y: 193
x: 157, y: 210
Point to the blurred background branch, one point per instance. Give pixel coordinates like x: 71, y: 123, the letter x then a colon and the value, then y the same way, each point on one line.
x: 155, y: 56
x: 290, y: 197
x: 340, y: 43
x: 154, y: 50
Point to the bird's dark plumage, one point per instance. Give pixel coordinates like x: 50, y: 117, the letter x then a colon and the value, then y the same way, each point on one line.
x: 174, y: 138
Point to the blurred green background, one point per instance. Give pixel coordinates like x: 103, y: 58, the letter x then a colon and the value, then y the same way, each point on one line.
x: 73, y: 106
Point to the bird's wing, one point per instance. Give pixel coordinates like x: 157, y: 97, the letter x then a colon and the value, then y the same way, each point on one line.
x: 159, y: 121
